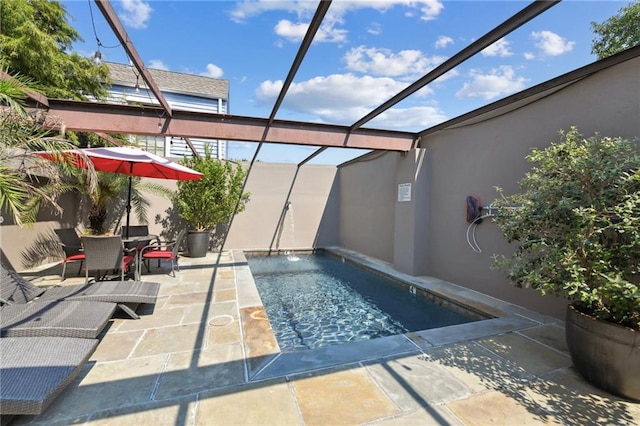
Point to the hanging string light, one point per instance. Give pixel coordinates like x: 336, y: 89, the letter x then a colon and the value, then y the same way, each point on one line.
x: 97, y: 55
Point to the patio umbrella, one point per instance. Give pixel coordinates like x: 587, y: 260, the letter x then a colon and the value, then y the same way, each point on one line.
x: 127, y: 161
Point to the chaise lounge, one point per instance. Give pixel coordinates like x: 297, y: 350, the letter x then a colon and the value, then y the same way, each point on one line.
x: 35, y: 370
x: 63, y: 318
x: 126, y: 294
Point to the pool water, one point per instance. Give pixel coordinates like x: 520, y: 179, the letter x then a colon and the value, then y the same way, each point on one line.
x: 318, y: 300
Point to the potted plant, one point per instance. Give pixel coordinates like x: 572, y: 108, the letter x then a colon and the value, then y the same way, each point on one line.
x: 576, y: 223
x: 210, y: 201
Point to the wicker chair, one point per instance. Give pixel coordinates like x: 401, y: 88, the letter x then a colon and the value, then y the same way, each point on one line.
x: 35, y: 370
x: 105, y: 254
x: 72, y: 247
x: 14, y: 289
x: 162, y: 251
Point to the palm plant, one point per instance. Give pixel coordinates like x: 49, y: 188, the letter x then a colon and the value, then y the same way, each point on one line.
x: 111, y: 190
x: 22, y: 174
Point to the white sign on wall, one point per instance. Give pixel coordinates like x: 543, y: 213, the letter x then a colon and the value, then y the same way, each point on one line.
x: 404, y: 192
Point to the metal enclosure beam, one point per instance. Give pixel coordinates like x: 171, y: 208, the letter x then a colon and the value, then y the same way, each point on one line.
x: 516, y: 21
x: 132, y: 119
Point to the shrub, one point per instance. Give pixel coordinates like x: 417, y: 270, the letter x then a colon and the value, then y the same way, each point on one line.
x: 576, y: 223
x: 210, y: 201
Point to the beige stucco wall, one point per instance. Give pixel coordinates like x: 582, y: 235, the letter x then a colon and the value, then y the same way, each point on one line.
x: 309, y: 222
x: 477, y: 158
x: 367, y: 205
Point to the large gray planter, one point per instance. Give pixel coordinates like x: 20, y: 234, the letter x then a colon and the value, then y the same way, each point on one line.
x: 606, y: 354
x: 197, y: 243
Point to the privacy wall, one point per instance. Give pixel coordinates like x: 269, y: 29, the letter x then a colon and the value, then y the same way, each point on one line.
x: 427, y: 235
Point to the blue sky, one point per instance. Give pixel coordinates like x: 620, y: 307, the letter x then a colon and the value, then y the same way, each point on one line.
x: 366, y: 52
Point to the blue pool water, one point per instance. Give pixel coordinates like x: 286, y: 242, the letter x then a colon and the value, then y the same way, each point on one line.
x: 318, y: 300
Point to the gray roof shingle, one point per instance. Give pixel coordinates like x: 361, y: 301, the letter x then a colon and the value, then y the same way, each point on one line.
x: 174, y: 82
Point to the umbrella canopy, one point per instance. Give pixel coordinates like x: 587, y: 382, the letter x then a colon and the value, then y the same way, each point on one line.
x: 127, y: 161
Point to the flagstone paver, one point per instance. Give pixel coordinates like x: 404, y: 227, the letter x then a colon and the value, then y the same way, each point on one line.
x: 348, y: 397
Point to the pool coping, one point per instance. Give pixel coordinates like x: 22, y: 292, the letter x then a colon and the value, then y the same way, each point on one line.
x: 503, y: 316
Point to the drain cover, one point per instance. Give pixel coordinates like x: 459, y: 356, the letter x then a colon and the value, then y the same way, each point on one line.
x: 221, y: 320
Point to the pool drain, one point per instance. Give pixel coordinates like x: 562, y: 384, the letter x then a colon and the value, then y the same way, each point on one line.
x: 221, y: 320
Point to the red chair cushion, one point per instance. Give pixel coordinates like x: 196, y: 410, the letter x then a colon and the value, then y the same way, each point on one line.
x: 126, y: 260
x: 79, y: 256
x: 158, y: 254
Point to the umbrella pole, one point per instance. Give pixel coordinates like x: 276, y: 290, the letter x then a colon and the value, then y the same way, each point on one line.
x: 126, y: 231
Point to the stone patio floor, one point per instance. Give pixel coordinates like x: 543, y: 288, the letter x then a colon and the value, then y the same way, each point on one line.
x: 205, y: 355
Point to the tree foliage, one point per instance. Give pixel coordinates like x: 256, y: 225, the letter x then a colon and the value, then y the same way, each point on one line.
x: 618, y: 33
x: 576, y: 223
x: 27, y: 181
x: 36, y: 41
x: 210, y: 201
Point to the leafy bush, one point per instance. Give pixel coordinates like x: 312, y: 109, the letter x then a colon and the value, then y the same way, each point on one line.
x: 577, y: 226
x: 210, y: 201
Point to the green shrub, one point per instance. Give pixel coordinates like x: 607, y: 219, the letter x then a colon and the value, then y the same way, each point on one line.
x: 210, y: 201
x: 576, y: 223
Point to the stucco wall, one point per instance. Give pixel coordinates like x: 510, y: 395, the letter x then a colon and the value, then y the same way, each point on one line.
x: 367, y: 205
x: 310, y: 221
x: 428, y: 234
x: 473, y: 160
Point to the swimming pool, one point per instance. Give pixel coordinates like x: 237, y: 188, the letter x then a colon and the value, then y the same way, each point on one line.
x: 316, y: 300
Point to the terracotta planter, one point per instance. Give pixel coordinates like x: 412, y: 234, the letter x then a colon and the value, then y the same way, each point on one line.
x: 197, y: 243
x: 606, y: 354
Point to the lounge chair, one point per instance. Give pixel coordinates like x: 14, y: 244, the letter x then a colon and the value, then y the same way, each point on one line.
x: 35, y: 370
x: 65, y: 318
x: 126, y: 294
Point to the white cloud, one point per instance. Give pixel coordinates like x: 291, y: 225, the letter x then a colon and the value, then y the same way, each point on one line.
x: 291, y: 31
x: 213, y: 71
x: 136, y: 13
x: 374, y: 28
x: 499, y: 82
x: 247, y: 9
x: 384, y: 62
x: 413, y: 118
x: 426, y: 9
x: 338, y: 98
x: 499, y: 48
x: 304, y: 10
x: 431, y: 9
x: 529, y: 56
x: 442, y: 42
x: 551, y: 43
x: 158, y: 65
x: 296, y: 32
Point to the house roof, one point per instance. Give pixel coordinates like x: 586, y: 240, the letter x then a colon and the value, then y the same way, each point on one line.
x: 174, y: 82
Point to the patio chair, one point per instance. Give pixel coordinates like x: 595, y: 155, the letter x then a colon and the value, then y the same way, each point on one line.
x: 14, y: 289
x: 164, y: 250
x: 35, y: 370
x: 105, y: 254
x: 72, y: 247
x: 64, y: 318
x: 136, y: 231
